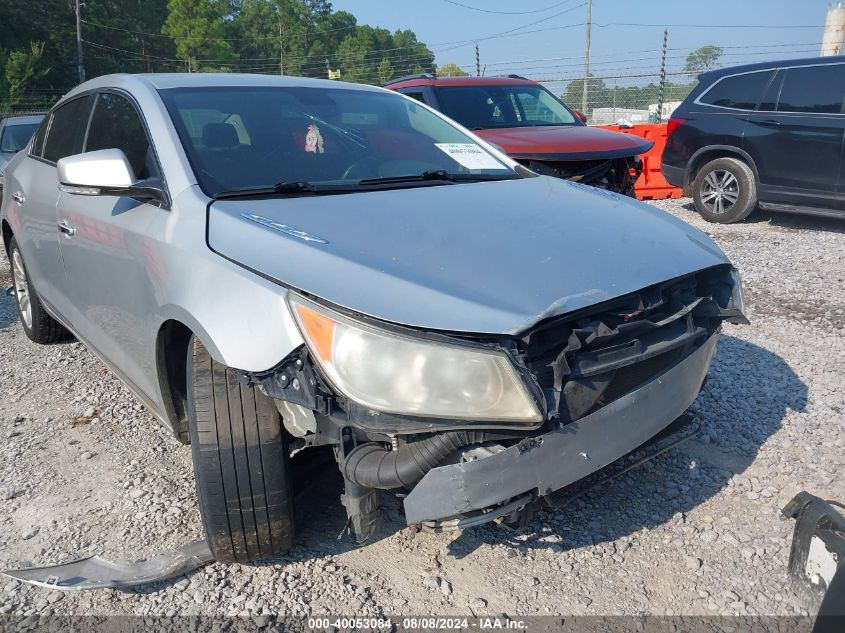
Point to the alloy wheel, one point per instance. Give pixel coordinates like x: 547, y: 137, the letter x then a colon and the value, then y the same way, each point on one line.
x: 719, y: 191
x: 21, y: 288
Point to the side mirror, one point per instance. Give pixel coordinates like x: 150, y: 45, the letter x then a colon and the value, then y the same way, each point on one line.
x: 580, y: 116
x: 107, y: 172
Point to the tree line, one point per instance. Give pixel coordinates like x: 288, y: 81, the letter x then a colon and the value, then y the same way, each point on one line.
x: 38, y: 55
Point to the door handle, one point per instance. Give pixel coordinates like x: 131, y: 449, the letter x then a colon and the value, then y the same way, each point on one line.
x: 19, y: 198
x: 769, y: 123
x: 67, y: 229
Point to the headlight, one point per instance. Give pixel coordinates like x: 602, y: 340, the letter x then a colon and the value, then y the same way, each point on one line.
x: 737, y: 298
x: 394, y: 373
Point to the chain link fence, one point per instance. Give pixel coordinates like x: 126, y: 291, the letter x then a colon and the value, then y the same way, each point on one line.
x: 635, y: 98
x: 8, y: 113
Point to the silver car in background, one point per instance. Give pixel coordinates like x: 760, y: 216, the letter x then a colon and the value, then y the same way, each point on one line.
x: 15, y: 133
x: 275, y: 265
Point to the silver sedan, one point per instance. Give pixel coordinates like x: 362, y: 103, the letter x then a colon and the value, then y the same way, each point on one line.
x: 274, y: 264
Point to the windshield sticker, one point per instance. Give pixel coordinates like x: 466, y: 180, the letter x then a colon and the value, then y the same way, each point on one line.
x: 314, y: 140
x: 470, y: 155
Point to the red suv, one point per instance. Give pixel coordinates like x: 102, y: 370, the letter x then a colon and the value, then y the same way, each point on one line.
x: 534, y: 127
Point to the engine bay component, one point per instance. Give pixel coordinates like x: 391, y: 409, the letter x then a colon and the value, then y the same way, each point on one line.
x: 374, y: 465
x: 614, y: 174
x: 298, y: 420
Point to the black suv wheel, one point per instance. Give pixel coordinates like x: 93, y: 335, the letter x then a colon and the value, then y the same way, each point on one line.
x: 724, y: 191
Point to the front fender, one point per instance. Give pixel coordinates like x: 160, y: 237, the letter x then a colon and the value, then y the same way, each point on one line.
x: 241, y: 318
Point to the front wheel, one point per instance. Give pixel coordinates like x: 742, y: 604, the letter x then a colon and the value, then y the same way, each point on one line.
x: 724, y: 191
x: 241, y: 463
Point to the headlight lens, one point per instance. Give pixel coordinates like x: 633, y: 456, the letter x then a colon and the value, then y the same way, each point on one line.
x: 393, y: 373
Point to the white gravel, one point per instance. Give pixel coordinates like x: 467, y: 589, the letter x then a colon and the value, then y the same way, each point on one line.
x: 85, y: 470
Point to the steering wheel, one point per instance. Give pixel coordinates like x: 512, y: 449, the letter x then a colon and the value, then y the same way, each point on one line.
x: 355, y: 169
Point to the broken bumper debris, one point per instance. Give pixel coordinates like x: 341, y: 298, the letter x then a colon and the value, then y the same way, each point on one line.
x: 817, y: 556
x: 95, y: 573
x: 549, y: 462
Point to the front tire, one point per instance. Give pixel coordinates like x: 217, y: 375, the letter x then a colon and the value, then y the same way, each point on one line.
x: 724, y: 191
x: 241, y: 463
x: 37, y: 324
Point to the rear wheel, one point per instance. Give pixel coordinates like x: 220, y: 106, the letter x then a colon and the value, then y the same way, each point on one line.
x: 724, y: 191
x: 37, y: 324
x: 241, y: 463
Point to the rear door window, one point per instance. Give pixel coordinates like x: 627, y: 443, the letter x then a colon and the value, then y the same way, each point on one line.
x: 814, y: 89
x: 741, y: 92
x: 769, y: 100
x: 117, y: 125
x: 415, y: 95
x: 67, y: 129
x: 38, y: 143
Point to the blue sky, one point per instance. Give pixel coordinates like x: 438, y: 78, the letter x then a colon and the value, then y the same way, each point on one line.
x: 554, y: 47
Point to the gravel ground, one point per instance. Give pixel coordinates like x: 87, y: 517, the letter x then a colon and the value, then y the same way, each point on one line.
x: 85, y: 470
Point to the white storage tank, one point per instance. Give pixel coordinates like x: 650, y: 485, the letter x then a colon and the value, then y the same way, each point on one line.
x: 834, y: 30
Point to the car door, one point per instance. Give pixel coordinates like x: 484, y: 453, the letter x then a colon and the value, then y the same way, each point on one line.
x: 109, y: 256
x: 795, y: 136
x: 34, y: 187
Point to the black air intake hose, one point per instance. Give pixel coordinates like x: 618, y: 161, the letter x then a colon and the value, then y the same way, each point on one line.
x: 374, y: 465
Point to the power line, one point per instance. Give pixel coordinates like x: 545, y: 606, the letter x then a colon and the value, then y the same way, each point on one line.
x: 316, y: 29
x: 466, y: 6
x: 714, y: 26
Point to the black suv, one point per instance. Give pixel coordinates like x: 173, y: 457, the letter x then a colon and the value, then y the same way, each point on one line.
x: 768, y: 134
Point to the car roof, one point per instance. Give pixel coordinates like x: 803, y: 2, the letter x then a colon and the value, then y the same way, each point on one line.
x: 430, y: 80
x: 164, y: 81
x: 23, y: 120
x: 805, y: 61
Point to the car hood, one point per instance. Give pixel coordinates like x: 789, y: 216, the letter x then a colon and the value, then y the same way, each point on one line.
x: 489, y: 257
x: 565, y: 142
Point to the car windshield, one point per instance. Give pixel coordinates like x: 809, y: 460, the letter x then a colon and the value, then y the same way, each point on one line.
x: 16, y: 136
x: 480, y: 107
x: 296, y: 139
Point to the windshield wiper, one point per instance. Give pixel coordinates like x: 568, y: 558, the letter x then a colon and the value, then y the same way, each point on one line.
x: 295, y: 186
x: 434, y: 175
x: 286, y: 188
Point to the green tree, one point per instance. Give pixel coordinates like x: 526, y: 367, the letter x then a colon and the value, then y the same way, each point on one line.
x: 385, y: 71
x: 273, y: 35
x: 197, y: 27
x: 51, y: 22
x: 702, y: 59
x: 360, y: 51
x: 21, y: 69
x: 121, y: 37
x: 451, y: 70
x: 597, y: 93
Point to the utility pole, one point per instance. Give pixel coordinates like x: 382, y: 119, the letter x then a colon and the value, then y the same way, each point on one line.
x: 79, y: 65
x: 477, y: 61
x: 587, y: 56
x: 281, y: 48
x: 662, y: 78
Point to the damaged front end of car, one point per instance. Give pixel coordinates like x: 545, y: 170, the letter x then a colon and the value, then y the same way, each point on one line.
x: 611, y: 174
x: 466, y: 429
